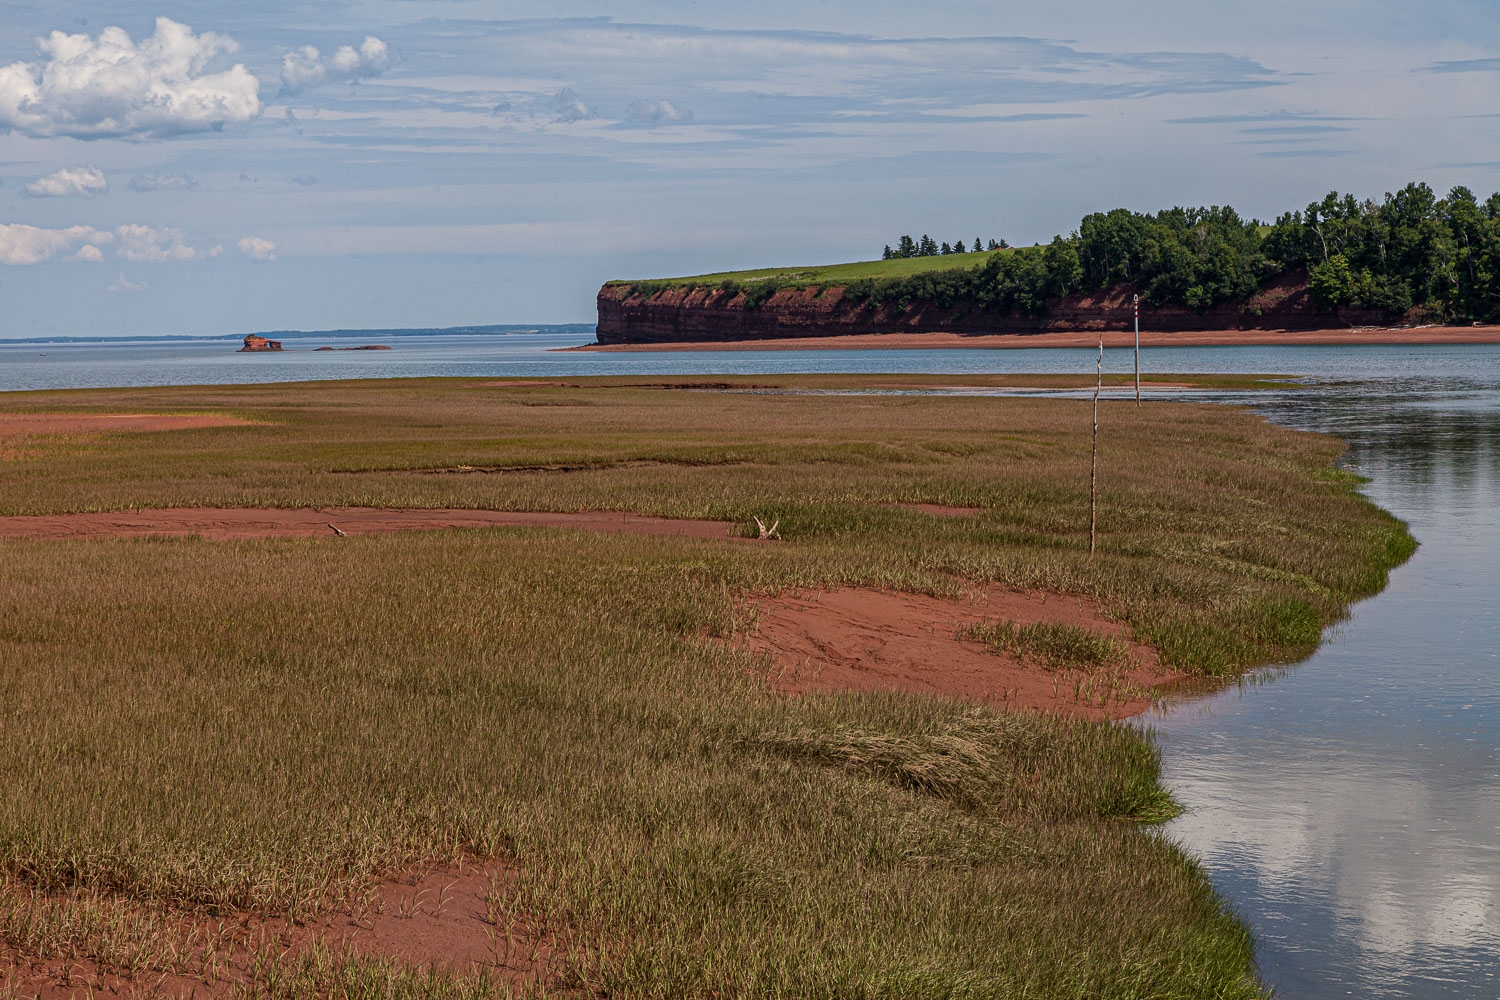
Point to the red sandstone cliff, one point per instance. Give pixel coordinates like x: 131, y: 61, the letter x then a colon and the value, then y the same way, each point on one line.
x: 254, y: 343
x: 699, y: 314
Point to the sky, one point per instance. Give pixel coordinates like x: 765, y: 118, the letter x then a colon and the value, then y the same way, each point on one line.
x: 185, y: 168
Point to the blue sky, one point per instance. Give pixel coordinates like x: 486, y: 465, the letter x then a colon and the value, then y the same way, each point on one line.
x: 439, y: 163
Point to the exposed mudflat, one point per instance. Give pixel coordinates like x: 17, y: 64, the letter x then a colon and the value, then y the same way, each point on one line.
x: 460, y: 918
x: 856, y: 639
x: 225, y: 523
x: 1081, y: 338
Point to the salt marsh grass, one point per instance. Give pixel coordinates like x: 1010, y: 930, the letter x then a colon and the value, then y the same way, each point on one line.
x: 190, y: 731
x: 1054, y: 645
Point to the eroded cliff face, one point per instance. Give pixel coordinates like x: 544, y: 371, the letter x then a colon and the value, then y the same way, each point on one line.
x: 681, y: 315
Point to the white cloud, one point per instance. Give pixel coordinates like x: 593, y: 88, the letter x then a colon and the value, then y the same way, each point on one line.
x: 163, y: 182
x: 147, y: 245
x: 567, y: 106
x: 69, y: 182
x: 655, y: 112
x: 109, y: 86
x: 305, y: 67
x: 257, y: 248
x: 124, y: 284
x: 139, y: 244
x: 21, y: 244
x: 540, y: 110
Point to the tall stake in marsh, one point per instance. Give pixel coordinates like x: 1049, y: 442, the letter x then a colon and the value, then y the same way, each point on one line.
x: 1094, y: 447
x: 1136, y: 302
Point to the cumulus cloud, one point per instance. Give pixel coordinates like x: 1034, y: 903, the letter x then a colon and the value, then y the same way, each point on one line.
x: 148, y: 245
x: 69, y: 182
x: 562, y: 107
x: 257, y: 248
x: 112, y: 87
x: 163, y: 182
x: 655, y: 112
x: 124, y: 284
x: 139, y: 244
x: 21, y: 245
x: 566, y: 106
x: 305, y: 67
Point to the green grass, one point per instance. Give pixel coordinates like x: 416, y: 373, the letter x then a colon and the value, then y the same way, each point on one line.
x: 194, y: 728
x: 828, y: 274
x: 1052, y: 644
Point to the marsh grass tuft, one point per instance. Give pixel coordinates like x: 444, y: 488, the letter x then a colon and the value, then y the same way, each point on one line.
x: 1054, y: 645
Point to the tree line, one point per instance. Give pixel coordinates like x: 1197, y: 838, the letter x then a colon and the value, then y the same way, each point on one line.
x: 1411, y: 253
x: 928, y: 247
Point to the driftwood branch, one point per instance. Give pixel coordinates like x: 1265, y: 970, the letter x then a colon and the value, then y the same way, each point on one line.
x: 766, y: 534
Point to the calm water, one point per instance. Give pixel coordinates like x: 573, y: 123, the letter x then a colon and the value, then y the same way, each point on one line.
x: 1348, y: 807
x: 79, y: 366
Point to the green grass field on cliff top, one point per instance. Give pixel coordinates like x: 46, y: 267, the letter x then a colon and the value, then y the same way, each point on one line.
x: 832, y: 274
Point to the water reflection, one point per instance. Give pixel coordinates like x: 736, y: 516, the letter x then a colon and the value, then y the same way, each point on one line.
x: 1351, y: 808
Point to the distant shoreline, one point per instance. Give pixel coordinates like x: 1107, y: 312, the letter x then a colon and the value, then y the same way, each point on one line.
x: 1118, y: 338
x: 434, y: 331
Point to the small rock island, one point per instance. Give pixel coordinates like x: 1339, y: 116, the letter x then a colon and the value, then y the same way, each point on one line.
x: 257, y: 344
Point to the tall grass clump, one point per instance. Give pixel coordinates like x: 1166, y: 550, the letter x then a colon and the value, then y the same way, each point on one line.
x: 1053, y: 644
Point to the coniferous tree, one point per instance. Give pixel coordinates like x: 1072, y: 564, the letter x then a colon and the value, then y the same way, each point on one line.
x: 959, y: 247
x: 945, y: 249
x: 977, y: 247
x: 888, y: 253
x: 929, y: 247
x: 908, y: 247
x: 994, y: 245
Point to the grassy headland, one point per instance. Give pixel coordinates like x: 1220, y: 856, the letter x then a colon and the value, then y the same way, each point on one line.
x: 1413, y: 256
x: 190, y: 730
x: 824, y: 274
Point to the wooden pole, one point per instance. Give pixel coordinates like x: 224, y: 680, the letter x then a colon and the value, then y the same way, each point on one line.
x: 1137, y: 350
x: 1094, y: 449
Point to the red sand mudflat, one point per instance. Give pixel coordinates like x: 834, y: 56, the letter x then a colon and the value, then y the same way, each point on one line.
x: 870, y: 640
x: 223, y: 523
x: 452, y: 918
x: 1121, y: 338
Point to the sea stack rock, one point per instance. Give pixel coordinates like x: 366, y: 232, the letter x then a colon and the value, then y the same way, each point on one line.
x: 254, y: 343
